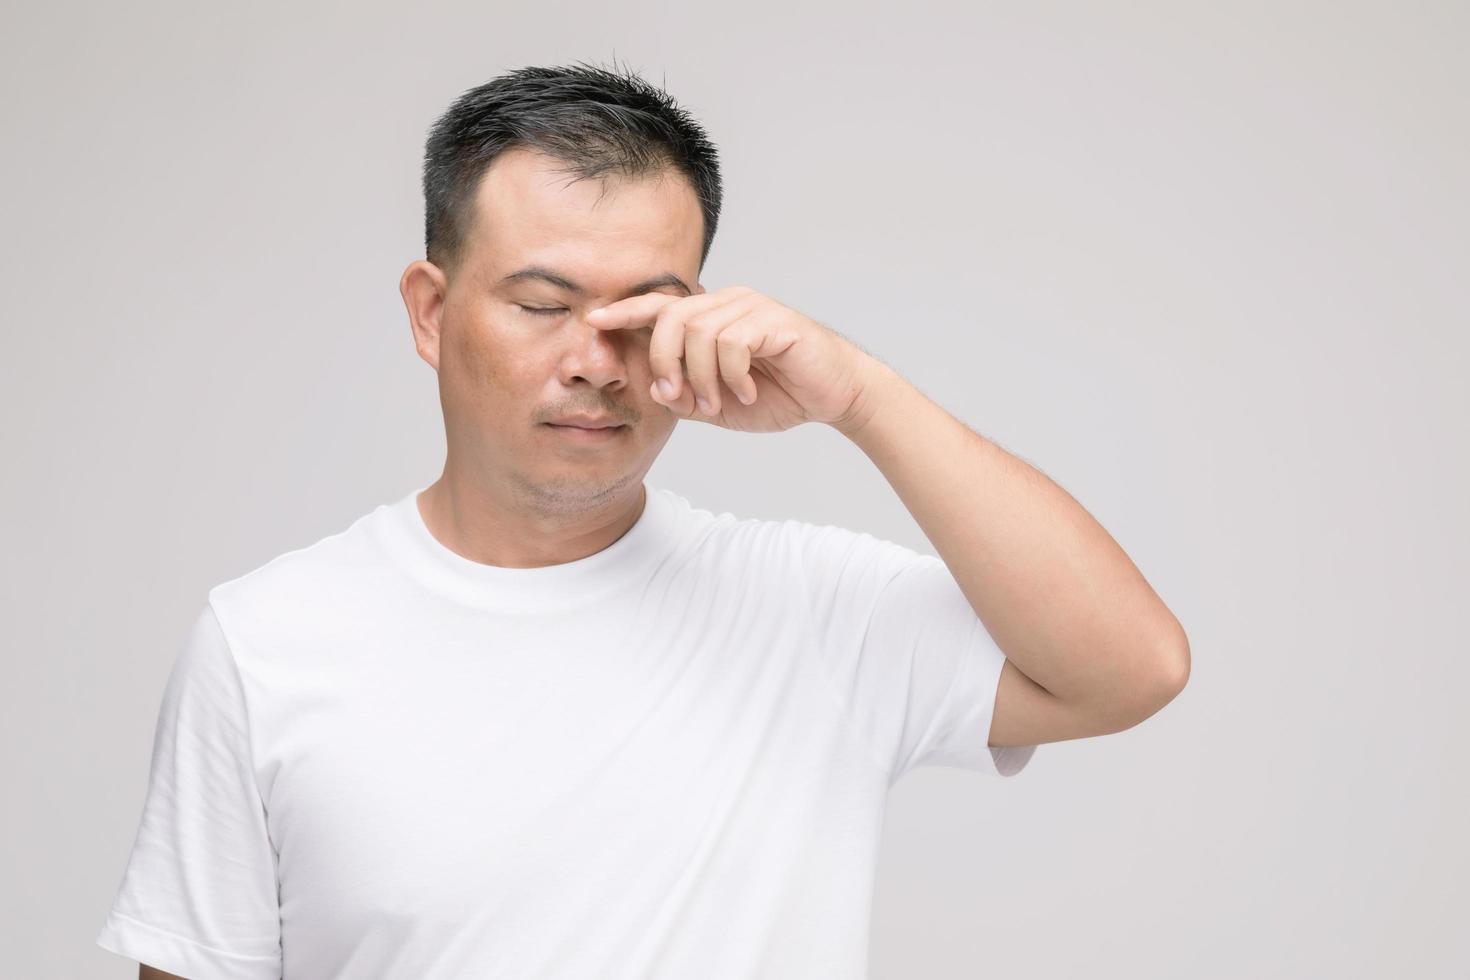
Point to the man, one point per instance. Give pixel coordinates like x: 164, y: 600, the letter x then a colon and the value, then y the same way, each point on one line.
x: 542, y: 719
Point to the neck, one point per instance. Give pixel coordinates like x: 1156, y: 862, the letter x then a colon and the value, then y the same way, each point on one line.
x: 494, y: 525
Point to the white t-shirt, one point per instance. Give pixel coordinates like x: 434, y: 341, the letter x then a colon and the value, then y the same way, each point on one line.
x: 377, y: 758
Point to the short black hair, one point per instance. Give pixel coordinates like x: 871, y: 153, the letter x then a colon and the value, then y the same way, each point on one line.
x: 599, y: 121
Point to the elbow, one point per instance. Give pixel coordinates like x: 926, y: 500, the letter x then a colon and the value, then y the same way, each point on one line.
x: 1156, y: 674
x: 1172, y: 672
x: 1158, y: 683
x: 1144, y: 689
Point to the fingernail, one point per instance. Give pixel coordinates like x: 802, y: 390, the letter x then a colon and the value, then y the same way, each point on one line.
x: 666, y: 387
x: 704, y: 406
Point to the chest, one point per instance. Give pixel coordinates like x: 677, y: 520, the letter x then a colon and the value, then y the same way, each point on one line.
x: 504, y: 773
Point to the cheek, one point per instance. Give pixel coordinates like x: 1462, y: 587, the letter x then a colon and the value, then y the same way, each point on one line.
x: 491, y: 368
x: 471, y: 360
x: 634, y: 350
x: 475, y: 353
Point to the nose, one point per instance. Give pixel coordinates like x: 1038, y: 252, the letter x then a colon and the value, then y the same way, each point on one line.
x: 593, y: 355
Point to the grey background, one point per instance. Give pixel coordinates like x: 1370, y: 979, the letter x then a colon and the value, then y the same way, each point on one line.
x: 1203, y: 264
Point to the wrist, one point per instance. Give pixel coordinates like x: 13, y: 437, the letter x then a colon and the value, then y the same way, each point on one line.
x: 874, y: 387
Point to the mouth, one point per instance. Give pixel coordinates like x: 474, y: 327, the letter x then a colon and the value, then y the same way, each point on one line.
x: 581, y: 434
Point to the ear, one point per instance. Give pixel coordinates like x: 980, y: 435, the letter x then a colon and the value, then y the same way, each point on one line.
x: 424, y: 287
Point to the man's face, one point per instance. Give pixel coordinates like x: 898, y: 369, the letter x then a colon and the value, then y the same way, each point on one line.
x: 517, y: 353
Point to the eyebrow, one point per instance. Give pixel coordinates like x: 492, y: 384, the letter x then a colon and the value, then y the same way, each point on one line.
x: 562, y: 282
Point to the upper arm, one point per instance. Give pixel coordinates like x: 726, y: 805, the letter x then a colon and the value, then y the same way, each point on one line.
x: 913, y: 666
x: 199, y: 893
x: 1028, y: 714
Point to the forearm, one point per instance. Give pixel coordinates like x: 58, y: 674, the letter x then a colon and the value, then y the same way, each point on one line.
x: 1060, y: 597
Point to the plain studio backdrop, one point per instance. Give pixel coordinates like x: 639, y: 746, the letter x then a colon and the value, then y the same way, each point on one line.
x: 1205, y: 265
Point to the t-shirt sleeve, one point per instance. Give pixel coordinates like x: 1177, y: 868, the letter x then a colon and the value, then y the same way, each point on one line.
x: 912, y: 663
x: 199, y: 896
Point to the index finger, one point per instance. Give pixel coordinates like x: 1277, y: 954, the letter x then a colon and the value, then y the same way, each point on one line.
x: 631, y: 313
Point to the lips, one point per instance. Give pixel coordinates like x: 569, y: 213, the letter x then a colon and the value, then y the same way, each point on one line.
x: 587, y: 431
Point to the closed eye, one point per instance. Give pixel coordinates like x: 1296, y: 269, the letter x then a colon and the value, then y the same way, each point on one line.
x: 543, y: 310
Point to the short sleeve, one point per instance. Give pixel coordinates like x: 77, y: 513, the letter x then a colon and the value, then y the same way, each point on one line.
x: 199, y: 896
x: 914, y: 665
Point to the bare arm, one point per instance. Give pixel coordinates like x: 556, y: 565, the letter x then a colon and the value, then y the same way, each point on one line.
x: 1091, y: 647
x: 146, y: 972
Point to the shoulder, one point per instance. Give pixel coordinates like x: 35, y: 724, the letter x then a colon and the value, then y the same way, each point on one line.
x: 794, y: 550
x: 724, y: 541
x: 298, y: 583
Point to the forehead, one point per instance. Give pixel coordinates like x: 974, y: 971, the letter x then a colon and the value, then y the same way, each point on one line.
x: 602, y: 232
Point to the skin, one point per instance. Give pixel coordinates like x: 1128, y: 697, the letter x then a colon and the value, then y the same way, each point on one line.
x: 515, y: 493
x: 1090, y: 648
